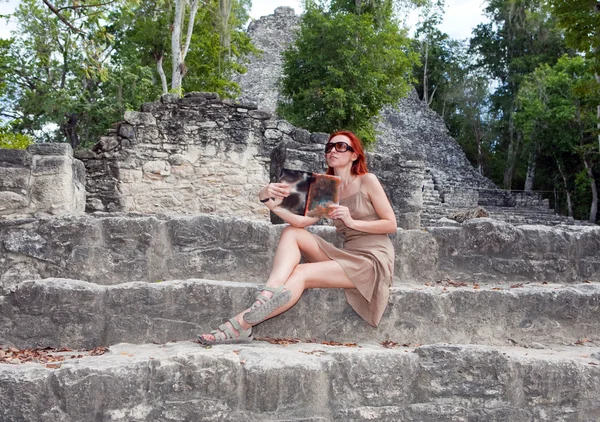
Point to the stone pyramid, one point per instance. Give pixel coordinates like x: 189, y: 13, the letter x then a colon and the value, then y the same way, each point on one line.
x: 409, y: 131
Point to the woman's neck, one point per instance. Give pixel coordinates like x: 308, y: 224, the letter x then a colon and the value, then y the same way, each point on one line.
x: 346, y: 176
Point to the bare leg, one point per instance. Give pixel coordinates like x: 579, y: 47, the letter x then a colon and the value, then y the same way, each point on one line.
x: 286, y: 270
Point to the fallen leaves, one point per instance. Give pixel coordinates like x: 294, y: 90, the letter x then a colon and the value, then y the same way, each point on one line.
x: 582, y: 341
x: 446, y: 282
x: 288, y: 341
x: 51, y: 357
x: 516, y: 286
x: 389, y: 344
x: 314, y: 352
x: 279, y: 341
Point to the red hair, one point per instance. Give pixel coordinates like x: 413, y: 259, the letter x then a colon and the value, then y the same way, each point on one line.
x: 359, y: 166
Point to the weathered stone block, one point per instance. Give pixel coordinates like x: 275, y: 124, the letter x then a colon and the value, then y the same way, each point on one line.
x: 43, y: 166
x: 126, y: 131
x: 319, y: 138
x: 14, y: 178
x: 259, y: 114
x: 139, y: 118
x: 14, y: 158
x: 11, y: 201
x: 51, y: 148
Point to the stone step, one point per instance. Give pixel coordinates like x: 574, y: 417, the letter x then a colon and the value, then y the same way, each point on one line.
x: 307, y: 382
x: 70, y: 313
x: 118, y: 248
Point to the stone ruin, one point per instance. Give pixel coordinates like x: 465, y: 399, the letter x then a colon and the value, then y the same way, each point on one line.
x: 43, y: 180
x: 487, y: 320
x: 411, y: 131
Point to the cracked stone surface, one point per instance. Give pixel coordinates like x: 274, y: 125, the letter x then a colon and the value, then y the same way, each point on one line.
x: 315, y: 382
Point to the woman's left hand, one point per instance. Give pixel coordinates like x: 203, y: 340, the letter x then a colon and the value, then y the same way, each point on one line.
x: 341, y: 213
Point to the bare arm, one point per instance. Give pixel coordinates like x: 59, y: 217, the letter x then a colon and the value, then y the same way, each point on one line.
x: 387, y: 219
x: 278, y: 191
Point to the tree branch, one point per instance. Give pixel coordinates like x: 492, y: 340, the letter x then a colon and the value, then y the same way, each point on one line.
x: 85, y: 6
x: 190, y: 29
x: 61, y: 17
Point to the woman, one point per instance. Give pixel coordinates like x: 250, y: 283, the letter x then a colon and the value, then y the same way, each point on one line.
x: 364, y: 267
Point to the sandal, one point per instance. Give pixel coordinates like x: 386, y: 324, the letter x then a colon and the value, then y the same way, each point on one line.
x: 224, y: 335
x: 259, y: 311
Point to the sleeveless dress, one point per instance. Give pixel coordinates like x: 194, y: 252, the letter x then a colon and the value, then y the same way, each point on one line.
x: 366, y: 258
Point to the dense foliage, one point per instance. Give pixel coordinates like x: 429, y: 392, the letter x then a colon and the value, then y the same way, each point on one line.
x: 69, y: 74
x: 345, y: 65
x: 497, y: 93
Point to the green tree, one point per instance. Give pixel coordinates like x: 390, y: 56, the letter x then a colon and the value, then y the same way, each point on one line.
x: 73, y: 69
x: 520, y: 36
x: 556, y: 114
x: 343, y: 68
x: 9, y: 139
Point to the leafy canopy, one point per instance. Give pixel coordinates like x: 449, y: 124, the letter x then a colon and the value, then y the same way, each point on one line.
x: 343, y: 68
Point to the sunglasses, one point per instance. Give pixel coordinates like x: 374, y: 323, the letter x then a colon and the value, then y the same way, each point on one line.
x: 339, y: 147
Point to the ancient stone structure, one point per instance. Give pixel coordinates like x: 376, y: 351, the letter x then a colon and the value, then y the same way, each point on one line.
x: 463, y: 340
x: 486, y: 321
x: 410, y: 130
x: 43, y: 180
x: 271, y: 34
x: 192, y: 155
x: 200, y: 154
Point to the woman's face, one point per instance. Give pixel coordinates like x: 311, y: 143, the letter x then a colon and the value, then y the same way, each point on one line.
x: 341, y: 151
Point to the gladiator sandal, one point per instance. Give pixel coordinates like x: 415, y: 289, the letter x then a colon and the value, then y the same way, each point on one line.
x: 224, y: 335
x: 260, y: 311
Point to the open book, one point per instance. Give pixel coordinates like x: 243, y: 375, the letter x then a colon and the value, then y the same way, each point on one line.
x: 312, y: 193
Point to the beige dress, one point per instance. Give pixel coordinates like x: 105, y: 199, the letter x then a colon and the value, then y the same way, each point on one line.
x: 367, y: 259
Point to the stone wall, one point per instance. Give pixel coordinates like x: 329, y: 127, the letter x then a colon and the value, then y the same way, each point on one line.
x: 196, y: 154
x: 200, y: 154
x: 111, y: 249
x: 43, y: 180
x: 400, y: 179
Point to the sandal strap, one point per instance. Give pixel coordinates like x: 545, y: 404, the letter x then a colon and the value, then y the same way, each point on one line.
x: 225, y: 331
x: 236, y: 325
x: 273, y: 290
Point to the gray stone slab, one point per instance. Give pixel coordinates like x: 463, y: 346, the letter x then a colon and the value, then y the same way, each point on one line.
x: 58, y: 313
x: 116, y: 248
x: 51, y: 149
x: 14, y: 158
x: 308, y: 382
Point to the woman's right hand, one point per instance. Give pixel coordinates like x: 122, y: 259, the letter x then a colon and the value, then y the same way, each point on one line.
x: 275, y: 191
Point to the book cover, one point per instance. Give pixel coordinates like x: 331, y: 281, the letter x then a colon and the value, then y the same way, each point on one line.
x: 311, y: 193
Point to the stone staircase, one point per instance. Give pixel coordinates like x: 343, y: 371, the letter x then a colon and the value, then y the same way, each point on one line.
x: 461, y: 340
x: 517, y: 208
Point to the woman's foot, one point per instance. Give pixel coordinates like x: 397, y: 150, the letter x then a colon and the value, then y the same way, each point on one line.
x: 267, y: 301
x: 229, y: 333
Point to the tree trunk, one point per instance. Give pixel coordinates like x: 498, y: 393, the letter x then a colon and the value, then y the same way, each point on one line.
x: 564, y: 177
x: 530, y: 170
x: 511, y: 160
x: 70, y: 129
x: 163, y: 77
x: 176, y: 52
x: 225, y: 33
x: 598, y: 115
x: 479, y: 137
x: 425, y: 87
x: 594, y: 207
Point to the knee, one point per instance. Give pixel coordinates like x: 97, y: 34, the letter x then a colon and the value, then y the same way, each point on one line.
x: 290, y: 231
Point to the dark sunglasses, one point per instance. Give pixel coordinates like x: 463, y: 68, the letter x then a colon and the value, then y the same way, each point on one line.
x: 339, y: 147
